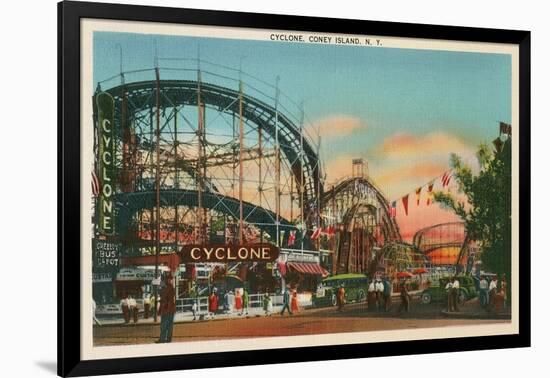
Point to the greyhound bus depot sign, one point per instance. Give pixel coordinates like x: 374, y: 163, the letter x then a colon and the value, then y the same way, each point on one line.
x: 222, y: 253
x: 106, y: 163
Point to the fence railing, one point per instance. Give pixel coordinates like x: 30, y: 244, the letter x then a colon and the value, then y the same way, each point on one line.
x: 185, y: 305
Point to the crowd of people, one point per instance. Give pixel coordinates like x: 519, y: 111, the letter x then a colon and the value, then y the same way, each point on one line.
x: 493, y: 293
x: 379, y: 294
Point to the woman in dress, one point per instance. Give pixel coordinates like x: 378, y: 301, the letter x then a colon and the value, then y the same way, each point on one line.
x: 294, y: 301
x: 238, y: 300
x: 212, y: 304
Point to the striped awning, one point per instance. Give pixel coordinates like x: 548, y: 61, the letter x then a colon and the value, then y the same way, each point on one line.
x: 308, y: 268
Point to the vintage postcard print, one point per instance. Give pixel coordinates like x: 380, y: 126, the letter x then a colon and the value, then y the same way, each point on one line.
x: 293, y: 189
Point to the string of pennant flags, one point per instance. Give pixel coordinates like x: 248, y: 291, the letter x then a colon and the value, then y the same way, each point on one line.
x: 445, y: 180
x: 446, y: 177
x: 363, y: 190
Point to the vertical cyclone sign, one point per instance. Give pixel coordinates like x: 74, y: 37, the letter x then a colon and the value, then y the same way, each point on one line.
x: 106, y: 162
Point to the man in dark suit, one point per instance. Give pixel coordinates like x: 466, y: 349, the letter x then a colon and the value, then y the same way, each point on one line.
x: 286, y: 302
x: 167, y: 310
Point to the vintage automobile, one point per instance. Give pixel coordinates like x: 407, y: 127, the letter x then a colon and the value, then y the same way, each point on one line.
x: 355, y: 286
x: 437, y: 293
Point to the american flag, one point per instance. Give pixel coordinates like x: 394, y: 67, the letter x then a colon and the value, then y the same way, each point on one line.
x: 316, y: 233
x: 95, y: 184
x: 291, y: 238
x: 393, y: 209
x: 446, y: 179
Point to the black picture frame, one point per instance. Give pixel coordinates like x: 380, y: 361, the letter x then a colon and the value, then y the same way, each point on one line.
x: 69, y: 356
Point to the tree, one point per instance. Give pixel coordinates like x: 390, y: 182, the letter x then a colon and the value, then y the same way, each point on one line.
x: 487, y: 211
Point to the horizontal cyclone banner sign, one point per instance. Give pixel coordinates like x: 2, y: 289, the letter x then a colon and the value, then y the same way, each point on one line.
x: 222, y: 253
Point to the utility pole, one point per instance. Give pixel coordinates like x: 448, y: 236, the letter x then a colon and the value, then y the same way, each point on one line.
x: 302, y: 205
x: 277, y: 167
x: 241, y: 173
x: 157, y: 184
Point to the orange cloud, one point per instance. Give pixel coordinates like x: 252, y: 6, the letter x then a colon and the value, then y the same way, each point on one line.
x: 405, y: 144
x: 338, y: 168
x: 336, y: 126
x: 399, y: 180
x: 404, y: 161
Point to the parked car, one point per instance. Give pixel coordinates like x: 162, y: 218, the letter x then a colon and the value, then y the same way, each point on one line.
x: 437, y: 293
x: 355, y: 286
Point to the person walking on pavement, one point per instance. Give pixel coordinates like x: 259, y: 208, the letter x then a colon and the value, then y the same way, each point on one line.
x: 133, y: 310
x: 455, y: 289
x: 194, y: 309
x: 125, y: 309
x: 405, y: 298
x: 230, y: 301
x: 294, y: 301
x: 341, y: 297
x: 504, y: 290
x: 286, y: 302
x: 146, y: 306
x: 387, y: 294
x: 371, y: 296
x: 238, y: 300
x: 167, y: 310
x: 245, y: 302
x: 449, y: 290
x: 267, y: 306
x: 94, y: 308
x: 212, y: 304
x: 379, y: 294
x: 493, y: 286
x: 483, y: 292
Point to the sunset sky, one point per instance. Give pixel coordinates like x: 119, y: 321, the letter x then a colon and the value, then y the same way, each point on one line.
x: 404, y: 111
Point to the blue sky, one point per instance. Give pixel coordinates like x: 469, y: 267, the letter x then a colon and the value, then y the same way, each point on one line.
x: 378, y: 95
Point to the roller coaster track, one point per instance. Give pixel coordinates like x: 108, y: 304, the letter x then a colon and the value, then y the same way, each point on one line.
x: 141, y: 96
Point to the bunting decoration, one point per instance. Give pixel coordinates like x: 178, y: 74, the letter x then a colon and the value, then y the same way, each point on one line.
x: 405, y: 201
x: 429, y: 200
x: 316, y: 233
x: 292, y: 238
x: 445, y: 183
x: 281, y: 236
x: 446, y: 179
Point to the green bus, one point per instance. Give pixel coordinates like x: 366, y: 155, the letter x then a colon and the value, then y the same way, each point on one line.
x: 355, y: 285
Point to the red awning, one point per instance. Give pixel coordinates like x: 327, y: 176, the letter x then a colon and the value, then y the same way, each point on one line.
x: 308, y: 268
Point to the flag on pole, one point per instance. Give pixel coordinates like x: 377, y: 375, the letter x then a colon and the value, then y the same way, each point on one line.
x: 446, y: 179
x: 430, y: 195
x: 505, y: 128
x: 449, y: 177
x: 405, y: 201
x: 316, y: 233
x: 418, y: 190
x: 292, y: 238
x: 95, y: 184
